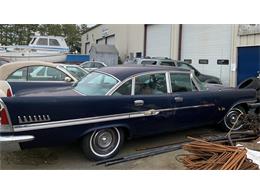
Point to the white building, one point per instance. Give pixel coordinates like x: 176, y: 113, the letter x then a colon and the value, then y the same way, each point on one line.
x: 231, y: 52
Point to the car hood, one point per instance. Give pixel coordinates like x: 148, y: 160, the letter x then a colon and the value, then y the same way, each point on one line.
x: 53, y: 91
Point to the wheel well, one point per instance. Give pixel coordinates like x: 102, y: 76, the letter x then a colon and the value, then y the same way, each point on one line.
x: 244, y: 106
x: 126, y: 131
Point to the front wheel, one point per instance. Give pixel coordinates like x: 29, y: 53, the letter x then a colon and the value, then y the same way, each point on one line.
x: 102, y: 144
x: 234, y: 119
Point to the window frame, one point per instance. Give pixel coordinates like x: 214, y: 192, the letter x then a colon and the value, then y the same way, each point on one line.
x: 114, y: 89
x: 191, y: 80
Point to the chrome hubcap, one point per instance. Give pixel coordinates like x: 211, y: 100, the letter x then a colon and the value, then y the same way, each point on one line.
x: 104, y: 139
x: 234, y: 119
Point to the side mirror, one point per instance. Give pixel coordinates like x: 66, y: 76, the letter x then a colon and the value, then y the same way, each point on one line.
x: 68, y: 79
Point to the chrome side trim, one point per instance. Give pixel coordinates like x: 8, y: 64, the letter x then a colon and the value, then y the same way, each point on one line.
x: 105, y: 118
x: 18, y: 138
x: 12, y: 143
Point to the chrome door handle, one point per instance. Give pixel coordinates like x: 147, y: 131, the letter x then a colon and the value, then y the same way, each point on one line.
x: 139, y: 102
x: 178, y: 99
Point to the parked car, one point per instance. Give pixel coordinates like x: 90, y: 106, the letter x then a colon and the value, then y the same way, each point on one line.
x: 169, y: 62
x: 3, y: 61
x: 92, y: 65
x: 115, y: 103
x: 19, y: 76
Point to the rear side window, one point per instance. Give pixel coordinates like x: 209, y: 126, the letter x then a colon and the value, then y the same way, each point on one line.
x: 151, y: 62
x: 19, y: 75
x: 45, y: 73
x: 181, y: 82
x: 151, y: 84
x: 167, y: 63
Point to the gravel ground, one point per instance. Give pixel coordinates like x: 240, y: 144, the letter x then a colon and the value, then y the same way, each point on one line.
x: 71, y: 157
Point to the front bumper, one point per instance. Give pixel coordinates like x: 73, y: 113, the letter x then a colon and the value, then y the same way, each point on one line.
x: 12, y: 143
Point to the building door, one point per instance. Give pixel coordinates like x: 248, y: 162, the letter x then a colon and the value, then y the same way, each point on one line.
x: 158, y: 40
x: 110, y: 40
x: 248, y: 62
x: 87, y: 47
x: 208, y: 48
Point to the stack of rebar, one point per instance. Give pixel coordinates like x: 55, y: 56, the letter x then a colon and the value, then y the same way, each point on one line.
x: 211, y: 156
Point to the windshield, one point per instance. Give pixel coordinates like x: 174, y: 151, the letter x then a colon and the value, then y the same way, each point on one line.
x: 77, y: 72
x: 96, y: 83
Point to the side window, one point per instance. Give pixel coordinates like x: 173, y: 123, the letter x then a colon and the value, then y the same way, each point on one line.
x: 181, y: 82
x: 151, y: 84
x: 19, y: 75
x: 44, y: 73
x: 98, y: 65
x: 53, y: 42
x: 185, y: 66
x: 151, y: 62
x: 42, y: 41
x: 167, y: 63
x: 125, y: 89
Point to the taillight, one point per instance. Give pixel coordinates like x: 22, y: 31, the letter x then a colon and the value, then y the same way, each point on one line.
x: 9, y: 93
x: 4, y: 118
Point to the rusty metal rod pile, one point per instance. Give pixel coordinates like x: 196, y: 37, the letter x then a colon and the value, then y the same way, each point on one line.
x: 211, y: 156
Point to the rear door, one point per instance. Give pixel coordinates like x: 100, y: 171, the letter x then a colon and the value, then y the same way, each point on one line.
x: 191, y: 107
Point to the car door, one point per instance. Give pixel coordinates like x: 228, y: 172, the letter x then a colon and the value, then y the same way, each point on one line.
x: 34, y: 77
x: 191, y: 106
x: 150, y: 103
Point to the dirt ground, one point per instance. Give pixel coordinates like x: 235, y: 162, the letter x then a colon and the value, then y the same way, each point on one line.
x: 70, y: 157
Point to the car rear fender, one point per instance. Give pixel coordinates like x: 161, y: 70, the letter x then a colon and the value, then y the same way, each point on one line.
x: 4, y: 86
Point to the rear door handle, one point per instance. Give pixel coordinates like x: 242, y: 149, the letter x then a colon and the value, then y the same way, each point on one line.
x: 178, y: 99
x: 139, y: 102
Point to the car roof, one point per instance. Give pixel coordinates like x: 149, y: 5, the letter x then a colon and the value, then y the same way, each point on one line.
x: 8, y: 68
x: 122, y: 72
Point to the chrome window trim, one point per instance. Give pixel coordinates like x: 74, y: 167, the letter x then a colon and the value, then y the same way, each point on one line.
x: 104, y: 118
x: 111, y: 91
x: 195, y: 82
x: 169, y: 84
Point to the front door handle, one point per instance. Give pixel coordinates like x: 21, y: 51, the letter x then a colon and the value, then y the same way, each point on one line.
x: 139, y: 102
x: 178, y: 99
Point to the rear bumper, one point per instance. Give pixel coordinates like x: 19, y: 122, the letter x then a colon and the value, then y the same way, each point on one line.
x: 12, y: 143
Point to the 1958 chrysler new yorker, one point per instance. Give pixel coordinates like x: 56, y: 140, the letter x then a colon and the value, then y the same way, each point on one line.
x: 115, y: 103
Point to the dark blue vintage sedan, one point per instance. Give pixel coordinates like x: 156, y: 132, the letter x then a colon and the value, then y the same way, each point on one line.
x: 115, y: 103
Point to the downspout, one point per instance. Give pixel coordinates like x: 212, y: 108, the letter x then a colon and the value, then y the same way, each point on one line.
x: 180, y: 39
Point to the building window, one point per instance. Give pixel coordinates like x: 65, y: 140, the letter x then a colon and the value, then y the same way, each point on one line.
x: 189, y: 61
x: 222, y: 62
x: 138, y: 54
x: 203, y: 61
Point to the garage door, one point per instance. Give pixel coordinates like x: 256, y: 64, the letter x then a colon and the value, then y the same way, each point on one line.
x: 158, y: 40
x: 248, y: 63
x: 110, y: 40
x: 208, y: 48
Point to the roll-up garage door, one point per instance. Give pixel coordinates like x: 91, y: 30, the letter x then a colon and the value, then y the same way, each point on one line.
x: 158, y: 40
x: 208, y: 48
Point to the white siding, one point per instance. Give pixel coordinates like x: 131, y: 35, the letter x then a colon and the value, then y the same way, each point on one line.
x: 158, y: 40
x: 211, y: 42
x: 111, y: 40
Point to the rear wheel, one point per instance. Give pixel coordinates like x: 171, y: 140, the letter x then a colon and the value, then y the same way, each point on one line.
x: 234, y: 119
x: 102, y: 144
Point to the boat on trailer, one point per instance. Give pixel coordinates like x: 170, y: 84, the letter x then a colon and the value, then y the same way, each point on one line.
x: 40, y: 48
